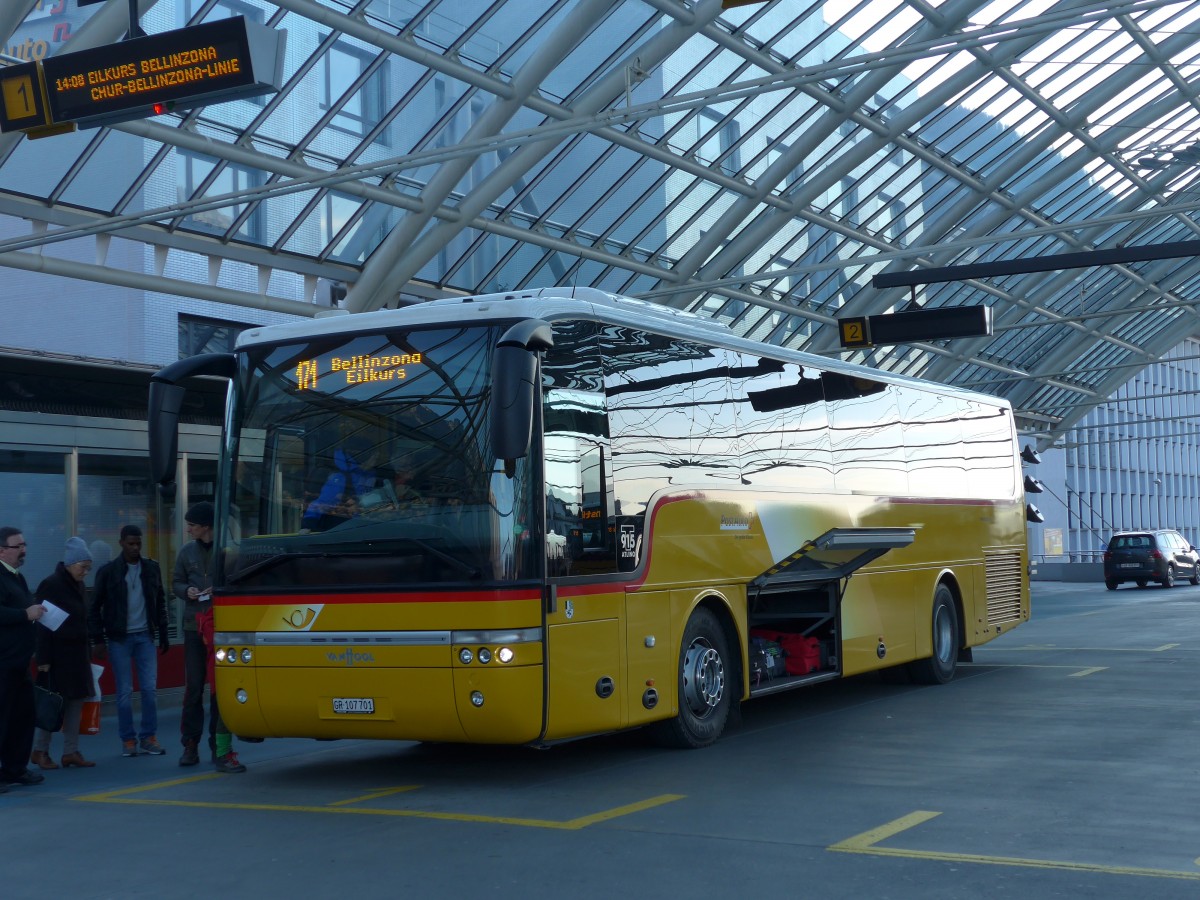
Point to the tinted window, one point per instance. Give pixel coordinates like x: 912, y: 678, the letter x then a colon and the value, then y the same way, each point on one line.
x: 988, y: 451
x: 672, y: 420
x: 784, y: 432
x: 866, y: 435
x: 933, y: 443
x: 579, y: 506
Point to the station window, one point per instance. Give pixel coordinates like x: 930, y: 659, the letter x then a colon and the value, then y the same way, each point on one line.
x: 199, y: 175
x: 198, y: 335
x: 340, y: 68
x: 194, y: 12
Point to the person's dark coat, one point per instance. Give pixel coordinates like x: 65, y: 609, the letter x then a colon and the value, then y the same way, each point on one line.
x: 17, y: 635
x: 109, y: 618
x: 67, y: 651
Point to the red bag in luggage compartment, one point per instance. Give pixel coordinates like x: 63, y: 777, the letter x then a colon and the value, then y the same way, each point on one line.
x: 802, y: 654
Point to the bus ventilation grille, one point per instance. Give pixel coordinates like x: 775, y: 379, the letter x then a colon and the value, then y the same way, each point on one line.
x: 1003, y: 587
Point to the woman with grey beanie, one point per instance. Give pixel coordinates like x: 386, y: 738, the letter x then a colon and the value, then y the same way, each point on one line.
x: 64, y: 656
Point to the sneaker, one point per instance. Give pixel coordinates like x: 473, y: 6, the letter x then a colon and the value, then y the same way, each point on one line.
x: 229, y: 764
x: 190, y: 757
x: 151, y: 746
x: 129, y: 748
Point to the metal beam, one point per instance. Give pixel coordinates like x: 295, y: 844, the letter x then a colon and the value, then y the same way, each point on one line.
x: 65, y: 268
x: 1089, y: 258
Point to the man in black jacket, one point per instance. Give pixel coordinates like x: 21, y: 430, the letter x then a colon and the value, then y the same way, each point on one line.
x: 18, y: 612
x: 129, y: 612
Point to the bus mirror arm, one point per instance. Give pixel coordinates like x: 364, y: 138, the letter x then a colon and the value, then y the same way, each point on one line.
x: 164, y: 405
x: 514, y: 388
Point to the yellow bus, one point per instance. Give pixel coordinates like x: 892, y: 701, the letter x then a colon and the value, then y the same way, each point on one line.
x: 537, y: 516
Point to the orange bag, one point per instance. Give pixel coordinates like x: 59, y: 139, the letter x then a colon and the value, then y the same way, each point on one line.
x: 89, y: 719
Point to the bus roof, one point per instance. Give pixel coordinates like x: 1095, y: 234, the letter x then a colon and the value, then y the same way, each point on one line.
x: 573, y: 303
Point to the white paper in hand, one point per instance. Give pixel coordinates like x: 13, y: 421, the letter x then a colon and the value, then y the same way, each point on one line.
x: 55, y: 615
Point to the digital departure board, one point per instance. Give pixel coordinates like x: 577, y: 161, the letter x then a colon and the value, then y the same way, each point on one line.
x: 172, y: 70
x: 339, y: 371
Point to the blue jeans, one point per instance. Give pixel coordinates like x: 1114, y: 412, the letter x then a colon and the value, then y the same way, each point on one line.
x: 136, y: 650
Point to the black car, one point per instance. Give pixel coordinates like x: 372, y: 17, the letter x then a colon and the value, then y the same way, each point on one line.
x: 1145, y: 556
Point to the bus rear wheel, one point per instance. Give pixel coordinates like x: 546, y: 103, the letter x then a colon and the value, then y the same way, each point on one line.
x: 705, y: 685
x: 940, y: 667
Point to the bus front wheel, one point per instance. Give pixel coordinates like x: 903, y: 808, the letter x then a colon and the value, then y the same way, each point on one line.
x: 705, y: 685
x: 939, y: 668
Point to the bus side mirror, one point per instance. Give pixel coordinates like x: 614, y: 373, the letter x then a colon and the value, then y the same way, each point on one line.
x: 515, y: 388
x: 164, y: 405
x: 163, y: 423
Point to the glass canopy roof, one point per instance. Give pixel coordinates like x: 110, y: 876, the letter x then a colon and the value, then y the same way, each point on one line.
x: 758, y: 164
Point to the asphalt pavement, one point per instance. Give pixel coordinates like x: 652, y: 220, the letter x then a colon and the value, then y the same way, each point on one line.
x: 1061, y: 763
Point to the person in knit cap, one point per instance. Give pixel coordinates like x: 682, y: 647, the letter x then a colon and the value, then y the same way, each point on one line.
x: 64, y: 656
x: 128, y: 616
x: 192, y: 582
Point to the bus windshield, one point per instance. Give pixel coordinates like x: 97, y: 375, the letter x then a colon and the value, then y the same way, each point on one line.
x: 365, y: 461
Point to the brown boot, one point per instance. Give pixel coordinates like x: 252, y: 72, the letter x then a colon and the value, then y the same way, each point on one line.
x: 76, y: 759
x: 191, y: 756
x: 42, y: 760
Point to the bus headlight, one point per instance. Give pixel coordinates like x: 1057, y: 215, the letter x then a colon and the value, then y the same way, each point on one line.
x: 505, y: 654
x: 476, y: 698
x: 485, y: 655
x: 465, y: 656
x: 247, y: 655
x: 241, y: 695
x: 220, y: 654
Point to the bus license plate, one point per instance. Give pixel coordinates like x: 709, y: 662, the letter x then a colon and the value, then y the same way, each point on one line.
x: 350, y: 705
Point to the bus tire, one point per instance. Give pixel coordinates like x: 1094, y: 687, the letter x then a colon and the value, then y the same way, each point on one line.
x: 705, y: 689
x: 939, y: 668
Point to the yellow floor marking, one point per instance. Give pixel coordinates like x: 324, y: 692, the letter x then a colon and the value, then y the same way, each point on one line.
x: 109, y: 795
x: 1036, y: 647
x: 122, y: 796
x: 375, y: 795
x: 1076, y: 674
x: 867, y: 839
x: 865, y: 844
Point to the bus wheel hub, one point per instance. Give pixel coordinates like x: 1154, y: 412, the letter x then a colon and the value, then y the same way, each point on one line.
x: 703, y: 678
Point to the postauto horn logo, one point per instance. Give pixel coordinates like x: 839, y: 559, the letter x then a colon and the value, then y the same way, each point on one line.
x: 303, y: 618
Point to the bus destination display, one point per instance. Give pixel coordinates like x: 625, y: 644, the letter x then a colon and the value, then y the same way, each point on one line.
x: 338, y: 371
x: 172, y: 70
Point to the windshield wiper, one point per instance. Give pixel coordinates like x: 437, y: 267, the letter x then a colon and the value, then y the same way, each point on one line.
x: 271, y: 562
x: 445, y: 557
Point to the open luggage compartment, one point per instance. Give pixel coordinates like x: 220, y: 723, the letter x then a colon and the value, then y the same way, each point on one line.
x: 794, y: 608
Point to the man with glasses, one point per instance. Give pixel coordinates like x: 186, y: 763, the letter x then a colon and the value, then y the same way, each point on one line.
x: 18, y: 638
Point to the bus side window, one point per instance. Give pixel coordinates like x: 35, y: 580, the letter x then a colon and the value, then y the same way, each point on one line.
x: 579, y: 533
